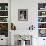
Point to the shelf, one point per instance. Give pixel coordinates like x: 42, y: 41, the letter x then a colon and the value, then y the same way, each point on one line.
x: 41, y: 10
x: 3, y: 22
x: 3, y: 16
x: 3, y: 10
x: 41, y: 22
x: 41, y: 28
x: 42, y: 16
x: 4, y: 19
x: 42, y: 19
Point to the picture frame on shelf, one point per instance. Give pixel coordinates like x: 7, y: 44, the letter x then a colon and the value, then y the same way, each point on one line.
x: 6, y: 7
x: 41, y: 19
x: 41, y: 13
x: 4, y: 29
x: 42, y: 33
x: 3, y: 19
x: 41, y: 25
x: 23, y: 14
x: 3, y: 6
x: 41, y: 6
x: 3, y: 13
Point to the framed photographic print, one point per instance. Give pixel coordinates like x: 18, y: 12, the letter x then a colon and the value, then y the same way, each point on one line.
x: 23, y: 14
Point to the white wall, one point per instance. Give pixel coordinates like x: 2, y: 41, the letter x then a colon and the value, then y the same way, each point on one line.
x: 32, y: 6
x: 32, y: 13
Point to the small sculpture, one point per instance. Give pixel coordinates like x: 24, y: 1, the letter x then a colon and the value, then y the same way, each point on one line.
x: 31, y: 27
x: 13, y: 27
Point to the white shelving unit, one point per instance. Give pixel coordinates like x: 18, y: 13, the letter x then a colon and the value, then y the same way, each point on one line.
x: 25, y: 38
x: 3, y: 12
x: 4, y: 18
x: 4, y: 23
x: 42, y: 18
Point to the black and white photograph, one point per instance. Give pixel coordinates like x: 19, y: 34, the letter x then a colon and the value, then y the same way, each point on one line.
x: 23, y: 14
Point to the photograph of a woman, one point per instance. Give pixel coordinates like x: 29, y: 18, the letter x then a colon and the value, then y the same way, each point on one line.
x: 22, y: 15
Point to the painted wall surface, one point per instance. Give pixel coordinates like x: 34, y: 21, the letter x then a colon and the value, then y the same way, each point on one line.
x: 32, y: 13
x: 32, y: 6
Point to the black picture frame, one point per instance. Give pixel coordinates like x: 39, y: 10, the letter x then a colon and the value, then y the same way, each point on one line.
x: 23, y: 14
